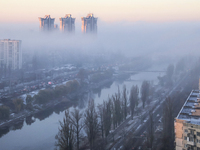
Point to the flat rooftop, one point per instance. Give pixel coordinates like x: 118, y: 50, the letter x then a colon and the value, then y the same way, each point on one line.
x: 190, y: 111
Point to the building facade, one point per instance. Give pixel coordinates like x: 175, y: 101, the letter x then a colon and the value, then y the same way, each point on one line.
x: 47, y: 23
x: 89, y: 24
x: 10, y: 54
x: 67, y: 23
x: 187, y: 124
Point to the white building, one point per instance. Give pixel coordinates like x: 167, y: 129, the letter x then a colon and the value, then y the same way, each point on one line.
x: 67, y: 23
x: 89, y: 24
x: 10, y: 54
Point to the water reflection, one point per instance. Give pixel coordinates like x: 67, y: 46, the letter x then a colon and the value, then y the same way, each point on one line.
x: 29, y: 120
x: 32, y: 118
x: 4, y: 131
x: 44, y: 114
x: 99, y: 89
x: 18, y: 125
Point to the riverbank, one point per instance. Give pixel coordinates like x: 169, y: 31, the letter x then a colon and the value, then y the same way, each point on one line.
x: 67, y: 100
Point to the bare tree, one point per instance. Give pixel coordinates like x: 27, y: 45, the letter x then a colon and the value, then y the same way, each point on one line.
x: 91, y: 123
x: 117, y: 109
x: 150, y: 130
x: 169, y: 74
x: 168, y: 124
x: 133, y: 98
x: 107, y: 116
x: 144, y: 91
x: 75, y: 119
x: 65, y: 136
x: 170, y: 71
x: 125, y: 101
x: 101, y: 117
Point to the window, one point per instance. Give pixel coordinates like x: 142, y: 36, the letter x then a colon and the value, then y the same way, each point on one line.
x: 191, y: 139
x: 198, y: 133
x: 192, y: 131
x: 185, y: 137
x: 10, y: 53
x: 186, y: 130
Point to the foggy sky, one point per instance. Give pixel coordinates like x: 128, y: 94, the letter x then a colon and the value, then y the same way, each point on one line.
x: 107, y: 10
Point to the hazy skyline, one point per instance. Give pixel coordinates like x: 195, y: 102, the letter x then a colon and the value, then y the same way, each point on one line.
x: 108, y: 11
x: 134, y: 27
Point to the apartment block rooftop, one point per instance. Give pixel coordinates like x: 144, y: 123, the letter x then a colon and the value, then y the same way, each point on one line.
x: 190, y: 112
x: 89, y: 15
x: 67, y: 16
x: 46, y: 17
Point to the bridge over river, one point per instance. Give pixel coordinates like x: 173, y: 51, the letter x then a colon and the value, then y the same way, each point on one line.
x: 137, y: 71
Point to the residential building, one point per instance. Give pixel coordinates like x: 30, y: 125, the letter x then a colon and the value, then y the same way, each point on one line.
x: 10, y: 54
x: 67, y: 23
x: 47, y: 23
x: 187, y: 124
x: 89, y: 24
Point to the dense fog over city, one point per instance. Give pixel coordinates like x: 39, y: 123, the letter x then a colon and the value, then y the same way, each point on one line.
x: 99, y: 75
x: 119, y: 87
x: 129, y: 38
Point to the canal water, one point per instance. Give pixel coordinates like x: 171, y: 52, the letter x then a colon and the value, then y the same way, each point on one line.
x: 38, y: 132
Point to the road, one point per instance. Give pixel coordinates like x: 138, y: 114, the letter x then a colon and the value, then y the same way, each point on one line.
x: 141, y: 128
x: 24, y: 88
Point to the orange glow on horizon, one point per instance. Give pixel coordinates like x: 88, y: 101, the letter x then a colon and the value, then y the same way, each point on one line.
x: 108, y: 11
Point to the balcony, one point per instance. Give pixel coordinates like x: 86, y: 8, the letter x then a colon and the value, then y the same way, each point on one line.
x: 191, y: 143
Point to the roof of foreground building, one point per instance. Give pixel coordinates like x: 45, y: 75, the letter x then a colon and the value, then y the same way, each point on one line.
x: 190, y: 112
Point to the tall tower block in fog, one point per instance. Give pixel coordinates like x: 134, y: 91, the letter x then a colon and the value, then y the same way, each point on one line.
x: 10, y: 54
x: 89, y: 24
x: 47, y: 23
x: 67, y: 23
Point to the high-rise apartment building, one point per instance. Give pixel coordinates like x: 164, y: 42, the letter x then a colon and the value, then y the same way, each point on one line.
x: 47, y: 23
x: 89, y: 24
x: 67, y: 23
x: 10, y: 54
x: 187, y: 124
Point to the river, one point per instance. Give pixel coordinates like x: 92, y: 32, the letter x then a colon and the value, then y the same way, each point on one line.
x: 38, y: 132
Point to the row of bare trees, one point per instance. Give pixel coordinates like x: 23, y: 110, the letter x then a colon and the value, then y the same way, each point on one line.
x: 71, y: 128
x: 98, y: 121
